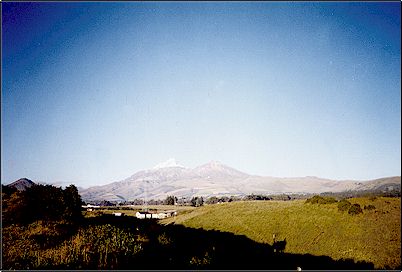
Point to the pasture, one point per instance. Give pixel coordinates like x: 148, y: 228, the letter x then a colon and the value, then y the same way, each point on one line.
x: 318, y: 229
x: 236, y: 235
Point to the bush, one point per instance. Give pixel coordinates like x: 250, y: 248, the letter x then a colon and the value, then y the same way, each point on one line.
x: 355, y: 209
x: 201, y: 261
x: 165, y: 240
x: 321, y: 200
x: 344, y: 205
x: 369, y: 207
x: 257, y: 197
x: 42, y: 202
x: 212, y: 200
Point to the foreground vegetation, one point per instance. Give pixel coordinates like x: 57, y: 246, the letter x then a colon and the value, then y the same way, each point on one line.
x: 319, y: 229
x: 109, y: 242
x: 51, y: 232
x: 57, y: 245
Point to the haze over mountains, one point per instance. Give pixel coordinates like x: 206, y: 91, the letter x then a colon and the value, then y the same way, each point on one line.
x: 217, y: 179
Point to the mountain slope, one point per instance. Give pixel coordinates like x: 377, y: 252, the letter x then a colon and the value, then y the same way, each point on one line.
x: 217, y: 179
x: 21, y: 184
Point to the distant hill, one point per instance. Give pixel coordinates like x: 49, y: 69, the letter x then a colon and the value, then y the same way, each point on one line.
x: 217, y: 179
x: 21, y: 184
x: 382, y: 184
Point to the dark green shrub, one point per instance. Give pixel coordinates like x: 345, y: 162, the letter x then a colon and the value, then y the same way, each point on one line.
x: 212, y: 200
x: 330, y: 200
x: 369, y: 207
x: 344, y: 205
x: 355, y: 209
x: 321, y: 200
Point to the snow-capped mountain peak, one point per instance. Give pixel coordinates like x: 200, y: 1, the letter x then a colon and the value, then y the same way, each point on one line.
x: 169, y: 163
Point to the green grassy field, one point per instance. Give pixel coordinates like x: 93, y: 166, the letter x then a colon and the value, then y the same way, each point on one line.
x: 317, y: 229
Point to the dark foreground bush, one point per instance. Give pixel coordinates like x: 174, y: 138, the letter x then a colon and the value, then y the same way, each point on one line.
x: 355, y: 209
x: 344, y: 205
x: 321, y: 200
x: 369, y: 207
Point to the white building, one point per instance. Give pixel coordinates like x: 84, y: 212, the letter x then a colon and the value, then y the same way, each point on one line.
x: 90, y: 207
x: 155, y: 215
x: 118, y: 214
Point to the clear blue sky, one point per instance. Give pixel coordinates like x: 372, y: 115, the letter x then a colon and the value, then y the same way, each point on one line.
x: 93, y: 92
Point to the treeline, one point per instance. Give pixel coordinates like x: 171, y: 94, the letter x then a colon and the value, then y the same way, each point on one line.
x: 40, y: 202
x: 364, y: 193
x: 199, y: 201
x: 169, y: 200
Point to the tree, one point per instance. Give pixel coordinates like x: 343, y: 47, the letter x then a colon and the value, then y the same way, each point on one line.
x: 8, y: 190
x: 200, y: 201
x: 170, y: 200
x: 105, y: 203
x: 42, y: 202
x: 14, y: 208
x: 72, y: 202
x: 197, y: 201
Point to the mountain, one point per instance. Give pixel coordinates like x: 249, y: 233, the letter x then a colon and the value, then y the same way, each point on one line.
x: 21, y: 184
x: 382, y: 184
x: 215, y: 169
x: 217, y: 179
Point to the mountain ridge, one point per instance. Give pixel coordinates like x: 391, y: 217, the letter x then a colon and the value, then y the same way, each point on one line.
x: 21, y: 184
x: 217, y: 179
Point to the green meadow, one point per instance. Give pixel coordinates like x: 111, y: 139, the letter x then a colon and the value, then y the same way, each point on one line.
x: 319, y: 229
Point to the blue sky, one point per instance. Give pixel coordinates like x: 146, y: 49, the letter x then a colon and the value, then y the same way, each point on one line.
x: 93, y: 92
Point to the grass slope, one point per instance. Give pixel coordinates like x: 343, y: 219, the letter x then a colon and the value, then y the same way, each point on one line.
x: 373, y: 236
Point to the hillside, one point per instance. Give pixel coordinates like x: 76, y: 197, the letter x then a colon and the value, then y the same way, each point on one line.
x: 373, y: 236
x: 217, y: 179
x: 21, y: 184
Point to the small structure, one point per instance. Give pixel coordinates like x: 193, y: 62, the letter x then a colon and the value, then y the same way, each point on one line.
x: 155, y: 215
x: 144, y: 214
x: 118, y: 214
x: 90, y: 207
